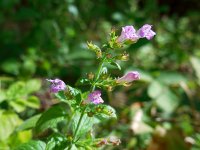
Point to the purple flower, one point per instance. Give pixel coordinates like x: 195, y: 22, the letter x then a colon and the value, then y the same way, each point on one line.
x: 129, y: 77
x: 128, y: 34
x: 56, y: 85
x: 146, y: 32
x: 95, y: 97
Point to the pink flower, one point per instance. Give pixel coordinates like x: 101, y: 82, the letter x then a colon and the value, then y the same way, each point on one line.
x: 129, y: 77
x: 128, y: 34
x: 57, y: 85
x: 146, y: 32
x: 95, y: 97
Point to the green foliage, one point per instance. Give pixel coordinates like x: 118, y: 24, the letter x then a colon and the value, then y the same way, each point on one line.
x: 29, y: 123
x: 39, y: 145
x: 9, y: 121
x: 50, y: 118
x: 85, y: 126
x: 46, y: 39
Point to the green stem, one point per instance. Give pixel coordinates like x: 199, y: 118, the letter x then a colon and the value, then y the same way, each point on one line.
x: 92, y: 89
x: 97, y: 74
x: 79, y: 122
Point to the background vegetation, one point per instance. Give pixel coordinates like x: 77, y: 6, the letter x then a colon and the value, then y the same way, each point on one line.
x: 47, y: 38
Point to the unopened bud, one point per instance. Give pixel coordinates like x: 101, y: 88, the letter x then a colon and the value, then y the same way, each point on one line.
x: 108, y: 56
x: 109, y: 88
x: 90, y: 114
x: 95, y: 48
x: 90, y: 76
x: 123, y: 57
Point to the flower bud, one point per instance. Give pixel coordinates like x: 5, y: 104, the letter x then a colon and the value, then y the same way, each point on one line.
x: 95, y: 48
x: 90, y: 76
x: 129, y: 77
x: 123, y: 57
x: 90, y: 114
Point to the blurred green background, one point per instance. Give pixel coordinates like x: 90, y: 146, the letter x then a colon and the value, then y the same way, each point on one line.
x: 47, y: 38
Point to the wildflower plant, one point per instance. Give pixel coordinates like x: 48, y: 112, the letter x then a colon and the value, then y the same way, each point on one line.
x: 78, y: 111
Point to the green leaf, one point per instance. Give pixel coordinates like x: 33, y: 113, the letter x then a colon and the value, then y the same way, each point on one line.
x: 73, y: 91
x: 32, y: 102
x: 196, y: 65
x: 50, y: 118
x: 155, y: 89
x: 61, y: 96
x: 106, y: 112
x: 8, y: 122
x: 171, y: 78
x: 32, y: 145
x: 164, y: 97
x: 18, y: 105
x: 83, y: 81
x: 33, y: 85
x: 85, y: 125
x: 167, y: 101
x: 16, y: 90
x: 29, y: 123
x: 2, y: 95
x: 56, y: 141
x: 116, y: 65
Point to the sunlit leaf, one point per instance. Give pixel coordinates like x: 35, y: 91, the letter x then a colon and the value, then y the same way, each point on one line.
x: 32, y: 145
x: 8, y: 122
x: 50, y: 118
x: 33, y: 85
x: 29, y: 123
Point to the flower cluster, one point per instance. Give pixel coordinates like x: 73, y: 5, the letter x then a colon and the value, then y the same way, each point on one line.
x: 130, y: 34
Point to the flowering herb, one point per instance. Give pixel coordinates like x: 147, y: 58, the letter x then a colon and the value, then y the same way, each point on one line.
x: 83, y: 115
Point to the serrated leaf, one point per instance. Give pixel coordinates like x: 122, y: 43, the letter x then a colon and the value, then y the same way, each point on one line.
x: 32, y: 145
x: 61, y: 96
x: 50, y: 118
x: 56, y: 141
x: 106, y: 113
x: 73, y: 91
x: 29, y: 123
